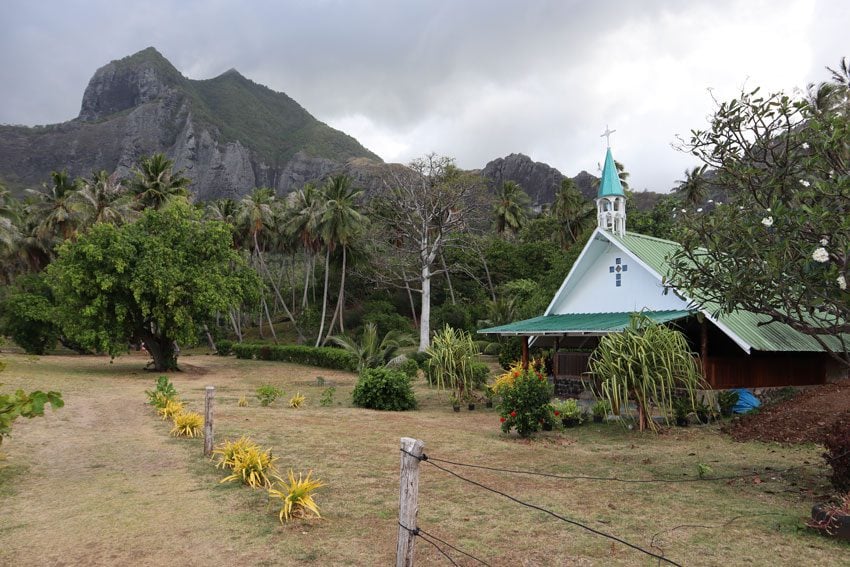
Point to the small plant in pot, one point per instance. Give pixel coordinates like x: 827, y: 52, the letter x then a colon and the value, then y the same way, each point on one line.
x: 704, y: 412
x: 569, y: 412
x: 470, y: 401
x: 681, y: 409
x: 600, y: 410
x: 488, y: 397
x: 455, y: 401
x: 727, y: 400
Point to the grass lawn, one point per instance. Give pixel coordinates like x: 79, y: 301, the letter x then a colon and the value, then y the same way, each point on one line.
x: 101, y: 482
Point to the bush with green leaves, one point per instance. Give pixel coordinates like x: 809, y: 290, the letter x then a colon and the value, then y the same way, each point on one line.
x: 647, y: 363
x: 369, y: 352
x: 28, y: 316
x: 453, y: 355
x: 267, y: 394
x: 163, y: 393
x: 224, y: 347
x: 327, y: 397
x: 524, y: 403
x: 323, y: 357
x: 456, y: 316
x: 21, y: 404
x: 421, y: 359
x: 409, y: 367
x: 510, y: 350
x: 383, y: 389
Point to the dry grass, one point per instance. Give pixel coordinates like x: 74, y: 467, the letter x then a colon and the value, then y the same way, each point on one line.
x: 100, y: 481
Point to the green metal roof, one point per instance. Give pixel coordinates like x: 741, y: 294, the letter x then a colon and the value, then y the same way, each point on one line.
x: 609, y: 185
x: 748, y: 327
x: 580, y: 323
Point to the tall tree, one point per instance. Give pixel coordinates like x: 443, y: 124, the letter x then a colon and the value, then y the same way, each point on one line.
x: 693, y: 188
x: 303, y: 224
x: 102, y: 198
x: 51, y: 209
x: 159, y: 280
x: 510, y: 208
x: 156, y: 182
x: 341, y: 221
x: 424, y: 208
x: 572, y: 210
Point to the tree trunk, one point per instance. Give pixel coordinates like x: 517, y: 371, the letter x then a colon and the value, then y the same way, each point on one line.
x: 269, y: 319
x: 210, y: 340
x: 306, y: 280
x: 410, y: 298
x: 448, y: 278
x: 324, y: 296
x: 236, y: 327
x: 340, y: 301
x: 162, y: 351
x: 425, y: 310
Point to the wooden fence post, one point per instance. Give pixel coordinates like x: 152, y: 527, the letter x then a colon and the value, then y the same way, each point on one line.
x: 408, y: 499
x: 209, y: 394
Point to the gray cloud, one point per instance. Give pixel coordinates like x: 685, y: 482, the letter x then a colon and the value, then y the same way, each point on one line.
x: 475, y: 80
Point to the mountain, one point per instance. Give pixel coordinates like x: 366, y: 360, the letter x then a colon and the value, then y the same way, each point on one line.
x: 228, y: 133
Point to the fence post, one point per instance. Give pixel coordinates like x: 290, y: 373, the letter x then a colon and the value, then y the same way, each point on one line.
x: 408, y: 499
x: 209, y: 394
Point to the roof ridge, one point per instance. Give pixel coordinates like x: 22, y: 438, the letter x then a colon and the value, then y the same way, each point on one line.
x: 655, y: 238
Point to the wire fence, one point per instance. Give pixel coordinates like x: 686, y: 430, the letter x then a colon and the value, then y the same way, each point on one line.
x: 446, y: 549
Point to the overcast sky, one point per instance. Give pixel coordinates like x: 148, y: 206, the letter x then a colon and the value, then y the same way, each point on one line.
x: 475, y: 80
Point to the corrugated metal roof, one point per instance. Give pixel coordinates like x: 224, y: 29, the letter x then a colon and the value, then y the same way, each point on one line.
x: 580, y: 323
x: 748, y: 326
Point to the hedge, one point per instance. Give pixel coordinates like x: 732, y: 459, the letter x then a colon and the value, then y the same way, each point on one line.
x: 323, y: 357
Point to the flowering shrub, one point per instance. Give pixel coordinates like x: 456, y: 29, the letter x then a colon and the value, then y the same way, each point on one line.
x: 524, y: 402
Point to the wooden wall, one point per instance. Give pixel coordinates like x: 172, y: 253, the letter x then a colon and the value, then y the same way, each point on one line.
x: 765, y: 370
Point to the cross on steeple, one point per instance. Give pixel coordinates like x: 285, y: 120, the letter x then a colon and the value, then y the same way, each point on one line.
x: 607, y: 135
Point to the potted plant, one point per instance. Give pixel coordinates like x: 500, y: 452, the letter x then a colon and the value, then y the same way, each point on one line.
x: 600, y: 410
x: 569, y: 412
x: 704, y: 412
x: 681, y: 409
x: 488, y: 397
x: 470, y: 401
x: 727, y: 400
x: 455, y: 402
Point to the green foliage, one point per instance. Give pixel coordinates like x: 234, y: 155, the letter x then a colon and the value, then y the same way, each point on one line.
x: 163, y: 393
x: 480, y: 372
x: 409, y: 367
x: 323, y: 357
x: 22, y: 404
x: 456, y: 316
x: 188, y: 424
x: 510, y: 351
x: 327, y: 397
x: 421, y: 359
x: 383, y: 389
x: 453, y: 354
x: 385, y: 317
x: 157, y: 280
x: 28, y: 315
x: 647, y: 362
x: 493, y: 348
x: 567, y: 410
x: 224, y: 347
x: 249, y: 463
x: 369, y: 352
x: 726, y: 400
x: 779, y: 246
x: 267, y: 394
x: 296, y: 496
x: 524, y: 403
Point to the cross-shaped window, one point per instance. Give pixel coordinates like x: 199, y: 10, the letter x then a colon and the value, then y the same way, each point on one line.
x: 617, y: 269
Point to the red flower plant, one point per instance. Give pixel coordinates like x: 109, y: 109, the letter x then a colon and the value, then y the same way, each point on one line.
x: 503, y: 419
x: 513, y: 414
x: 557, y: 413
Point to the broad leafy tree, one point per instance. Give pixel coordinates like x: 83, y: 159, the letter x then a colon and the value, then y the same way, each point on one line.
x: 158, y: 281
x: 779, y: 246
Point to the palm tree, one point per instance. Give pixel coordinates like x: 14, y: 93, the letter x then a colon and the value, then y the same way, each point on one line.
x: 693, y: 188
x: 511, y: 207
x: 102, y: 199
x: 156, y: 182
x: 572, y: 210
x: 371, y: 353
x: 51, y: 208
x: 303, y: 224
x: 340, y: 222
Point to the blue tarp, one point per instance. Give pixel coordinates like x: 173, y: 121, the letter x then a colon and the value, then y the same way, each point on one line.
x: 747, y: 402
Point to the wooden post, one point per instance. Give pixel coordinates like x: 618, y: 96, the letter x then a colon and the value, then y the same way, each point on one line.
x: 525, y: 353
x: 209, y: 394
x: 408, y: 499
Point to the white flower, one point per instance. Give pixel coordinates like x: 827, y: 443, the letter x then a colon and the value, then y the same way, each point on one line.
x: 719, y: 203
x: 742, y: 208
x: 804, y: 183
x: 684, y: 210
x: 824, y: 241
x: 711, y: 200
x: 805, y: 145
x: 820, y: 255
x: 768, y: 210
x: 767, y: 221
x: 842, y: 283
x: 699, y: 210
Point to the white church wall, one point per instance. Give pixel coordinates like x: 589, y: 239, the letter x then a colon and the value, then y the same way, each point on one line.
x: 593, y: 286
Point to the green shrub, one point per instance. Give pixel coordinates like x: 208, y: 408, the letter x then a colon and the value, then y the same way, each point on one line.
x: 455, y: 316
x: 567, y: 411
x: 267, y: 394
x: 480, y: 374
x: 327, y: 397
x: 492, y: 349
x: 383, y: 389
x: 224, y: 347
x: 510, y: 350
x: 323, y: 357
x: 409, y: 367
x: 421, y: 359
x: 163, y: 393
x: 525, y: 402
x: 28, y: 315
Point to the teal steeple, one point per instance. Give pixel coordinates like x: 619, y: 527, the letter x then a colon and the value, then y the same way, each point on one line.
x: 609, y: 185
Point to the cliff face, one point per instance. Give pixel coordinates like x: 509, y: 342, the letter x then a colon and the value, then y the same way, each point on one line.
x: 228, y: 133
x: 538, y: 179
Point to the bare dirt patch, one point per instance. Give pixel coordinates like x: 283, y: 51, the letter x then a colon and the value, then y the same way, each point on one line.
x: 805, y: 418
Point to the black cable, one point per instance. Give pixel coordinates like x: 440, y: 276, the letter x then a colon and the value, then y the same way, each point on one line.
x: 421, y: 531
x: 437, y: 547
x: 723, y: 525
x: 553, y: 514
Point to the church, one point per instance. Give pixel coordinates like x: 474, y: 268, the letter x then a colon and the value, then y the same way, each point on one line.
x: 619, y: 273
